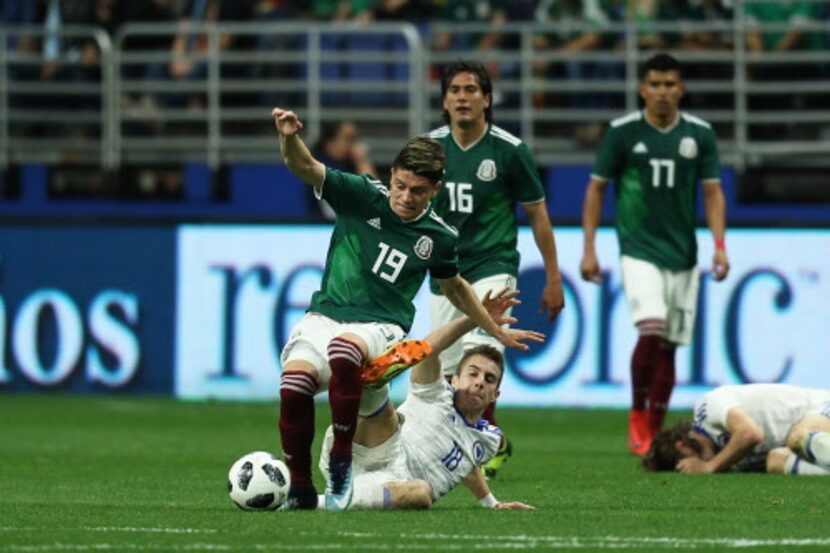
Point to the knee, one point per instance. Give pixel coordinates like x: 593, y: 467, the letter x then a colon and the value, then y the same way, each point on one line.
x: 415, y: 494
x: 351, y: 341
x: 420, y: 495
x: 777, y: 460
x: 300, y: 377
x: 795, y: 436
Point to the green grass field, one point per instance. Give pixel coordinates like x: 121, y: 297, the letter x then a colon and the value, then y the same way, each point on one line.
x: 145, y: 474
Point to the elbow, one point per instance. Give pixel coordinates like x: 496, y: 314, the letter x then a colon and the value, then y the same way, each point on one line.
x: 296, y: 167
x: 751, y: 436
x: 450, y: 287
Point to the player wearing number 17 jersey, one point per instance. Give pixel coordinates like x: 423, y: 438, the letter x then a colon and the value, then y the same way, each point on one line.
x: 384, y: 242
x: 657, y: 156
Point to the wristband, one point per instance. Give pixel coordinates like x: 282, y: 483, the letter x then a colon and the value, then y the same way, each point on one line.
x: 488, y: 501
x: 720, y: 244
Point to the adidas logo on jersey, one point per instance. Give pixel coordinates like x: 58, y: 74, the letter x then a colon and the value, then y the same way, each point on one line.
x: 640, y: 148
x: 374, y: 222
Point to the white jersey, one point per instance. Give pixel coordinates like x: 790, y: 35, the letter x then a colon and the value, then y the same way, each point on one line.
x: 774, y: 407
x: 440, y: 446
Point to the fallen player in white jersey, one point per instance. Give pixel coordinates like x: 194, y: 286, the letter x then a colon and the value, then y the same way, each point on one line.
x: 777, y: 428
x: 410, y: 458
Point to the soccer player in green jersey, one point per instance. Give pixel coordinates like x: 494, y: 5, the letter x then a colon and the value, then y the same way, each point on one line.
x: 488, y: 171
x: 384, y: 242
x: 657, y: 156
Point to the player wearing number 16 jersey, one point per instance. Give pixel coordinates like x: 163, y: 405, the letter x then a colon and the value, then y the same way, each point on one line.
x: 488, y: 171
x: 657, y: 156
x: 384, y: 242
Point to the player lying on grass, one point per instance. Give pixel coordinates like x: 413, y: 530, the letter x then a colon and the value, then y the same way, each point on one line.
x: 410, y: 458
x: 777, y: 428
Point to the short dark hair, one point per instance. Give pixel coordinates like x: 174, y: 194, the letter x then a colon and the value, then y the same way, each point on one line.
x: 663, y: 454
x: 660, y: 62
x: 424, y: 157
x: 487, y: 351
x: 481, y: 74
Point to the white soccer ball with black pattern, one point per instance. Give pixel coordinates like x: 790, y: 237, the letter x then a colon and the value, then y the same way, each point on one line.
x: 258, y: 481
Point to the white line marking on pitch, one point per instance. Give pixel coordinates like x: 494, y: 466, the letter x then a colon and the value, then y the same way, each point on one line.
x: 128, y: 529
x: 377, y: 541
x: 491, y: 543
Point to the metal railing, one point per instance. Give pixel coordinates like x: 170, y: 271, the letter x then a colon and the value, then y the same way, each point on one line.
x: 125, y: 106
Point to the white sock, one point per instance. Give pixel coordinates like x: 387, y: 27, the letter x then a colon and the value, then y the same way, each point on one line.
x: 373, y: 400
x: 798, y: 465
x: 817, y: 447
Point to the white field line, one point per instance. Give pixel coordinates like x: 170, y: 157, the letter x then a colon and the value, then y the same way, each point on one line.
x: 114, y: 529
x: 603, y: 541
x: 448, y: 543
x: 376, y: 541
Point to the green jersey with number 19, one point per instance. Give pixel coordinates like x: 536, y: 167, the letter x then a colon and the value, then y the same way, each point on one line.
x: 376, y: 261
x: 657, y: 171
x: 482, y: 184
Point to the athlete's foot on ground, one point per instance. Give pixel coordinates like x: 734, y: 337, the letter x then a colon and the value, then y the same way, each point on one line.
x: 339, y: 487
x: 300, y: 499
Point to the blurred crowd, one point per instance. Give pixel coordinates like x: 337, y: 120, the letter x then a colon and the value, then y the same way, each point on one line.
x: 565, y: 27
x: 559, y: 15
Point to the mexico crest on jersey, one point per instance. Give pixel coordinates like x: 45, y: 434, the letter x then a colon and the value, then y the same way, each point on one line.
x: 688, y: 148
x: 486, y: 170
x: 423, y: 247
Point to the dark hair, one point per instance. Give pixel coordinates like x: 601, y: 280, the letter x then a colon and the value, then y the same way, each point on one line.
x: 663, y: 454
x: 424, y: 157
x: 660, y: 62
x: 484, y: 350
x: 480, y: 72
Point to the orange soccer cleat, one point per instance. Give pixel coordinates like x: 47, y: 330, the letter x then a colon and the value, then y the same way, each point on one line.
x: 394, y: 361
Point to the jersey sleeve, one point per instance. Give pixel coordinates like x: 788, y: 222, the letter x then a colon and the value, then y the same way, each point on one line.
x: 709, y: 159
x: 349, y: 193
x: 524, y: 176
x: 609, y: 160
x: 445, y: 263
x: 711, y: 412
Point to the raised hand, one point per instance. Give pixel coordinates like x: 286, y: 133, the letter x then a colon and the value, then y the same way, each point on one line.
x: 496, y: 305
x: 287, y: 122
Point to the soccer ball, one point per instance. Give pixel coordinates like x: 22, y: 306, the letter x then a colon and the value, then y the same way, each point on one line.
x: 258, y: 481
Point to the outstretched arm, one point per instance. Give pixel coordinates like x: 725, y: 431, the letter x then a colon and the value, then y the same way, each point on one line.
x: 429, y: 370
x: 296, y: 155
x: 476, y: 483
x: 464, y: 298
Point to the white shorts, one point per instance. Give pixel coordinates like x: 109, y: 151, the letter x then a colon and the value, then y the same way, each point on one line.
x: 441, y: 312
x: 372, y: 467
x: 823, y: 410
x: 655, y: 293
x: 309, y: 341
